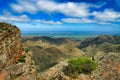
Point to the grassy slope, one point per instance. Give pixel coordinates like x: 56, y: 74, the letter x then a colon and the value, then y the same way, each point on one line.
x: 100, y: 43
x: 49, y: 51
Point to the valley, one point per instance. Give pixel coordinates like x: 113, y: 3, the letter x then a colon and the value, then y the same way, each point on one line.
x: 50, y: 55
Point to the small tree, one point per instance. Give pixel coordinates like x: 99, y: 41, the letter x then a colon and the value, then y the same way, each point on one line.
x: 79, y: 65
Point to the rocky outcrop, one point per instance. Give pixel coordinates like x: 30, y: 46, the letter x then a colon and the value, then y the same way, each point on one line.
x: 21, y: 70
x: 109, y: 66
x: 108, y: 69
x: 53, y: 72
x: 10, y: 45
x: 15, y: 63
x: 56, y: 73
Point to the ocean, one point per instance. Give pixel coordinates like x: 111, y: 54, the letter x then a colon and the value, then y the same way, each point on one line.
x: 70, y: 34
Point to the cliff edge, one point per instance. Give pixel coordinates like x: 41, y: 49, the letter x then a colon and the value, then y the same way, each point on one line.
x: 10, y: 45
x: 15, y: 63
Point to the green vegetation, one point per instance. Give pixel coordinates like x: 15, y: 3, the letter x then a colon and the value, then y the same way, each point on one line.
x: 21, y: 59
x: 46, y: 58
x: 105, y: 43
x: 1, y: 24
x: 0, y: 30
x: 5, y: 27
x: 79, y: 65
x: 26, y: 50
x: 107, y: 47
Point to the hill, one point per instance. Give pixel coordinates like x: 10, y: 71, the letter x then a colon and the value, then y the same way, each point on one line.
x: 105, y: 50
x: 50, y: 51
x: 103, y: 43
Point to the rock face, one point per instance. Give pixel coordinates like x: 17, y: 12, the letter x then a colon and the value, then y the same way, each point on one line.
x: 108, y: 66
x: 10, y: 45
x: 54, y: 72
x: 15, y: 64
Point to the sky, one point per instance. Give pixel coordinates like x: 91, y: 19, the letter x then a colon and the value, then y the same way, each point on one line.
x: 62, y: 15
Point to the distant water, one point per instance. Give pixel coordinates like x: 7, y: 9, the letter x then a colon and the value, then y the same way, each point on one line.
x: 69, y: 34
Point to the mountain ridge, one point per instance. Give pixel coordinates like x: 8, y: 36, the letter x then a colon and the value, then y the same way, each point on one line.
x: 44, y: 58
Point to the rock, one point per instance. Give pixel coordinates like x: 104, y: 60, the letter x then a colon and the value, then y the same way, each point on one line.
x: 10, y: 45
x: 15, y: 64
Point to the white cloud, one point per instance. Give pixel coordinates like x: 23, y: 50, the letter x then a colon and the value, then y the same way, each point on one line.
x: 21, y: 18
x: 17, y: 8
x: 24, y: 6
x: 69, y: 9
x: 48, y: 22
x: 78, y: 20
x: 103, y: 23
x: 109, y: 23
x: 106, y: 15
x: 25, y: 18
x: 76, y: 12
x: 98, y: 5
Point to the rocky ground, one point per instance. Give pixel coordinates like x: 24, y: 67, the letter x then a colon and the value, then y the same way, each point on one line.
x: 21, y: 70
x: 15, y: 63
x: 108, y: 69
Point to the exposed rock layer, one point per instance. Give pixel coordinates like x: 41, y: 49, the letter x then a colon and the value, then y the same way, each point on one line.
x: 15, y: 64
x: 10, y: 45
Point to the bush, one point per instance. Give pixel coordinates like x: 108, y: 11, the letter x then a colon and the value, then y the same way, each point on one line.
x: 21, y: 59
x: 26, y: 50
x: 0, y: 30
x: 79, y: 65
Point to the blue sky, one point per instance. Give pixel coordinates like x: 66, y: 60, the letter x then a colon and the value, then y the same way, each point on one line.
x: 62, y: 15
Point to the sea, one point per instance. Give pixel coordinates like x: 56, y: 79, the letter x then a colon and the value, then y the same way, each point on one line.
x: 70, y: 34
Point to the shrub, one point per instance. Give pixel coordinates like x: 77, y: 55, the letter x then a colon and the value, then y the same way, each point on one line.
x: 26, y: 50
x: 0, y: 30
x: 21, y: 59
x: 79, y: 65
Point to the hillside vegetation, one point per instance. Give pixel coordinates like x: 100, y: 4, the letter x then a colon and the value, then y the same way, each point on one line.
x: 50, y: 51
x: 103, y: 43
x: 103, y: 50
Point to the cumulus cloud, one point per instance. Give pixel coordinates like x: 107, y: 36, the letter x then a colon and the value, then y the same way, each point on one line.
x: 21, y: 18
x: 106, y: 15
x: 25, y: 18
x: 24, y: 6
x: 69, y: 9
x: 75, y: 12
x: 77, y: 20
